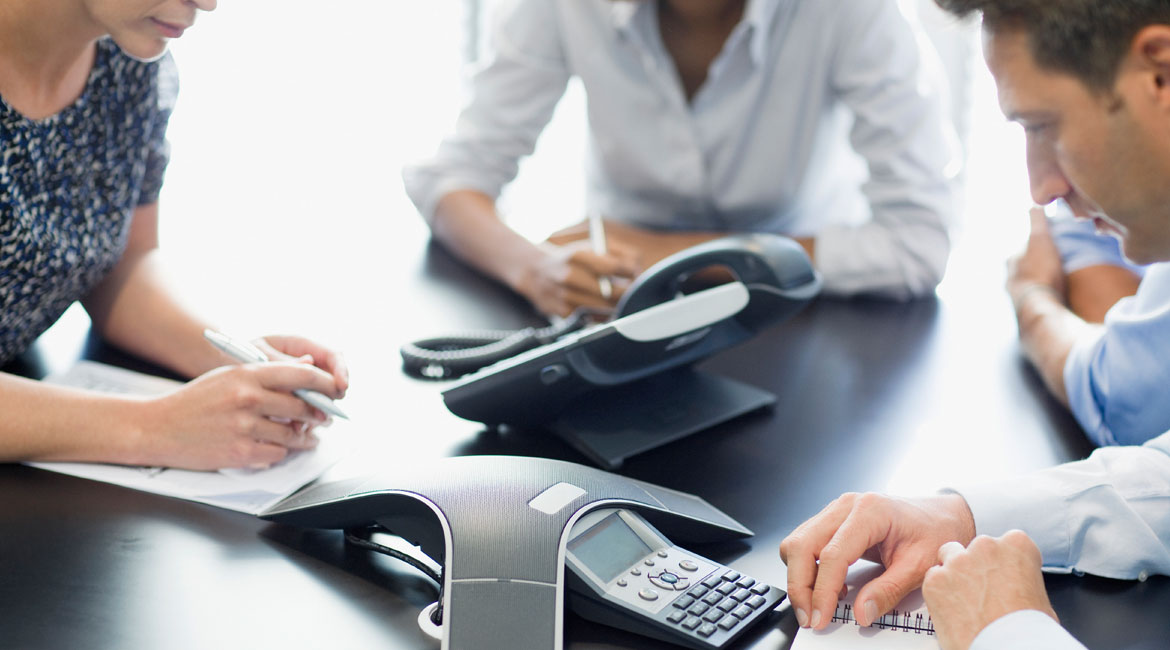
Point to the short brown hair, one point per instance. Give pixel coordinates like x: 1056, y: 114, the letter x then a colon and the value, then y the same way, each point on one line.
x: 1084, y: 38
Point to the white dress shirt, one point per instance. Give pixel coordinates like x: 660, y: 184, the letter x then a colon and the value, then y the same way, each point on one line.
x: 1108, y: 515
x: 818, y: 117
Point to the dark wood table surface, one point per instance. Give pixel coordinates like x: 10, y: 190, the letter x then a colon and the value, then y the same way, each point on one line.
x: 901, y: 397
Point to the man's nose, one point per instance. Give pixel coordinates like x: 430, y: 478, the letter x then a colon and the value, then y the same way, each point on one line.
x: 1047, y: 181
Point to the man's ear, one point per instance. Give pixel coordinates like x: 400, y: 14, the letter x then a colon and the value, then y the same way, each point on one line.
x: 1150, y: 55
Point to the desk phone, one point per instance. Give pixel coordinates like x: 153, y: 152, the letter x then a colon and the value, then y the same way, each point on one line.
x: 623, y: 572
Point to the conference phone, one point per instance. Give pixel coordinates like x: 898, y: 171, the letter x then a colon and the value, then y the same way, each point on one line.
x: 514, y: 542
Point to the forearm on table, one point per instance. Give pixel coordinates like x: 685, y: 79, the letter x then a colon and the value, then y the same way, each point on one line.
x: 901, y: 256
x: 466, y: 223
x: 134, y: 309
x: 46, y: 422
x: 1048, y: 331
x: 1093, y: 290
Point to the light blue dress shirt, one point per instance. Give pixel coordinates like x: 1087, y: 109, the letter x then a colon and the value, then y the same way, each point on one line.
x: 1108, y: 515
x: 1117, y: 377
x: 818, y: 117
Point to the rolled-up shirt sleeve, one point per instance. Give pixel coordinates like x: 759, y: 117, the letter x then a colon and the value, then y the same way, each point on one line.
x: 1116, y: 377
x: 1026, y: 629
x: 1107, y: 515
x: 513, y: 96
x: 892, y: 84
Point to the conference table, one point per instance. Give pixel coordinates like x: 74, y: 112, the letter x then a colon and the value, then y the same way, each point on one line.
x: 904, y: 397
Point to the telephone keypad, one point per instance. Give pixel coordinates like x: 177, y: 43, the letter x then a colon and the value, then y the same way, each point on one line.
x: 713, y: 605
x: 718, y: 604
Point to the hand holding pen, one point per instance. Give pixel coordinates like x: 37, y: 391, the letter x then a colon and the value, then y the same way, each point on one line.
x: 245, y: 352
x: 239, y: 416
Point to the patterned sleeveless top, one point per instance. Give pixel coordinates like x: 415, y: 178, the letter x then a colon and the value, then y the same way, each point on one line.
x: 69, y: 185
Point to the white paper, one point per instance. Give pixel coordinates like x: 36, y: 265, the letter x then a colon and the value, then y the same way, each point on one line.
x: 909, y: 629
x: 250, y: 491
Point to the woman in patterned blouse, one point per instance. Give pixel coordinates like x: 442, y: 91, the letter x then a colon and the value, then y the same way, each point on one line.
x: 85, y: 94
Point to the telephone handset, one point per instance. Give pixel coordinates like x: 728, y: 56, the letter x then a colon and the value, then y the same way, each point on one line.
x: 762, y: 262
x: 622, y: 572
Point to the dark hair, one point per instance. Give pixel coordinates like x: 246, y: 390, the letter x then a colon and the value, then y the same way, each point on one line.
x: 1084, y: 38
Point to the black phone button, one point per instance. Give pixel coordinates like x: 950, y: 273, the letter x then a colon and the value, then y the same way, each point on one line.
x: 707, y: 630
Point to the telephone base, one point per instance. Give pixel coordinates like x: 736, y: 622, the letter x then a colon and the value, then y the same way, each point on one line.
x: 610, y: 425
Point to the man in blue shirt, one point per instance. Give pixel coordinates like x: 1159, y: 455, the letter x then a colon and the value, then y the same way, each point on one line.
x: 1089, y: 80
x: 1102, y: 350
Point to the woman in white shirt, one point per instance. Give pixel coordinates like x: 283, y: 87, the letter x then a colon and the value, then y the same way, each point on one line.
x: 812, y: 119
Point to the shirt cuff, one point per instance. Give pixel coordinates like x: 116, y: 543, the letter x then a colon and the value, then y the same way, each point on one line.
x: 1027, y: 628
x: 997, y: 508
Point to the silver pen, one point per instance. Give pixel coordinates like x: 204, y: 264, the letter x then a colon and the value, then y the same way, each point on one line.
x: 597, y: 239
x: 245, y: 352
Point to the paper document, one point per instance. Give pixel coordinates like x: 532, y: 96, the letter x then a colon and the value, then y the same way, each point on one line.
x: 906, y: 627
x: 250, y: 491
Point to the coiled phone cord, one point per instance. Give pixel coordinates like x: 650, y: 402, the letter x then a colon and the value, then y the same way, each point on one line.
x: 454, y: 355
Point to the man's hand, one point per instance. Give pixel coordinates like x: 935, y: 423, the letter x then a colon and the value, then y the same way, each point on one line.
x: 976, y: 585
x: 902, y: 534
x: 1038, y: 267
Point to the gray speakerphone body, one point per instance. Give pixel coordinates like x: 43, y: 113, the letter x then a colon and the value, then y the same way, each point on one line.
x: 499, y: 525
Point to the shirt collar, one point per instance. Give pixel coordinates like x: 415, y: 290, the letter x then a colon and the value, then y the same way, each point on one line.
x: 622, y: 12
x: 758, y: 15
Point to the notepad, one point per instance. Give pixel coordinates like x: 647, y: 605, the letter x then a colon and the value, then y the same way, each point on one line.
x: 250, y: 491
x: 907, y: 627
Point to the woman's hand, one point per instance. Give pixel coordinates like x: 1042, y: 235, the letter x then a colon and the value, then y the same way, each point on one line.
x: 567, y: 277
x: 296, y: 348
x: 242, y: 415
